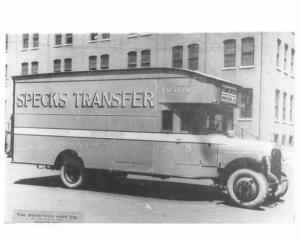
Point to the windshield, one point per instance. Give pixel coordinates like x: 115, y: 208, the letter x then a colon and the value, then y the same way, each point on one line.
x: 200, y: 119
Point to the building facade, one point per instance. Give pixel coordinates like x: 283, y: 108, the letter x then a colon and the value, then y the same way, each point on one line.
x: 262, y: 62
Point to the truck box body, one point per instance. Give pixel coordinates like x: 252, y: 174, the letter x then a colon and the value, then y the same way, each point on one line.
x: 113, y: 120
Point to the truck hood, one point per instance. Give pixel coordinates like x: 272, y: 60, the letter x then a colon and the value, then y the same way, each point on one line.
x: 242, y: 145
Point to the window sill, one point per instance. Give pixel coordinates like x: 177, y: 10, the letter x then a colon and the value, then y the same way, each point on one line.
x: 278, y: 69
x: 245, y: 119
x: 104, y: 40
x: 92, y: 41
x: 24, y: 49
x: 34, y: 48
x: 292, y: 76
x: 57, y: 46
x: 133, y: 36
x: 285, y: 73
x: 68, y: 44
x: 284, y: 122
x: 276, y: 121
x: 145, y: 34
x: 291, y: 123
x: 228, y: 68
x: 246, y: 67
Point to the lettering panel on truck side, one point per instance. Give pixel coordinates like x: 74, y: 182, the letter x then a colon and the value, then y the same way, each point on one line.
x: 120, y: 97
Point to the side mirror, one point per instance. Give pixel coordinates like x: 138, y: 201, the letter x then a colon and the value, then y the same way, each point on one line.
x: 230, y: 133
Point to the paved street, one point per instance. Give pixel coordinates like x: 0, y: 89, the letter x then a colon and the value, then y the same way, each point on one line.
x: 132, y: 200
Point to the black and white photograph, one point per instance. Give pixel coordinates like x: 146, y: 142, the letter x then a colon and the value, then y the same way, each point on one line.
x: 162, y: 123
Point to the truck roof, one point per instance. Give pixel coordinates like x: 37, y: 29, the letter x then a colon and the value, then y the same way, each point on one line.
x: 158, y: 72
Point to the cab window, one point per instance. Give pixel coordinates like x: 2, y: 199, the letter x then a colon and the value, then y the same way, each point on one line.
x: 167, y: 120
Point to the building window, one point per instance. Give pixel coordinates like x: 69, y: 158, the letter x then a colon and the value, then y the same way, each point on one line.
x: 68, y: 65
x: 25, y: 40
x: 286, y: 47
x: 278, y: 53
x: 193, y: 56
x: 93, y: 63
x: 167, y: 120
x: 145, y: 58
x: 24, y: 68
x: 229, y: 53
x: 292, y: 60
x: 58, y: 39
x: 5, y: 71
x: 177, y: 56
x: 35, y: 39
x: 93, y: 36
x: 291, y: 140
x: 105, y: 36
x: 284, y: 106
x: 69, y: 38
x: 277, y: 95
x: 248, y: 51
x: 56, y: 65
x: 246, y: 104
x: 6, y: 41
x: 34, y: 67
x: 132, y: 58
x: 276, y: 138
x: 291, y: 107
x: 283, y: 140
x: 104, y: 61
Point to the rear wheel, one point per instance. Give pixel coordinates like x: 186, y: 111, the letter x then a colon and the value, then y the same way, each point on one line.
x: 72, y: 173
x: 247, y: 188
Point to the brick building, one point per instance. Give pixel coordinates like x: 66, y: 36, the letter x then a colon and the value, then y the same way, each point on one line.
x: 263, y: 63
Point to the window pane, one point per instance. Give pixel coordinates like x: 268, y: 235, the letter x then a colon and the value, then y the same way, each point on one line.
x: 92, y: 63
x: 6, y: 41
x: 35, y: 40
x: 229, y: 53
x: 246, y: 104
x: 25, y: 40
x: 93, y: 36
x: 58, y: 39
x: 284, y: 107
x: 145, y: 61
x: 193, y: 56
x: 56, y: 64
x: 167, y: 120
x: 69, y: 38
x: 247, y: 51
x: 177, y: 56
x: 132, y: 58
x: 105, y: 36
x: 277, y: 94
x: 105, y: 61
x: 34, y: 67
x: 291, y: 107
x: 24, y: 68
x: 68, y: 65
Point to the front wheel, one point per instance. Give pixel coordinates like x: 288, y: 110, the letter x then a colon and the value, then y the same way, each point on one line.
x: 282, y: 187
x: 72, y: 173
x: 247, y: 188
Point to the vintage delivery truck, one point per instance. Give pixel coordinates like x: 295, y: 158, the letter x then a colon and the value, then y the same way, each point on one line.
x: 161, y: 122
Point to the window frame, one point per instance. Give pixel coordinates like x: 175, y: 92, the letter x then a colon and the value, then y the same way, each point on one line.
x: 286, y: 47
x: 277, y: 101
x: 34, y: 66
x: 246, y: 111
x: 23, y: 64
x: 56, y: 37
x: 248, y: 52
x: 226, y: 54
x: 291, y: 112
x: 284, y: 106
x: 145, y: 58
x: 69, y: 36
x: 278, y: 53
x: 35, y: 40
x: 94, y: 37
x: 103, y: 59
x: 193, y: 59
x: 132, y: 55
x: 177, y: 56
x: 25, y: 42
x: 68, y: 65
x: 92, y: 58
x: 56, y: 65
x: 292, y: 60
